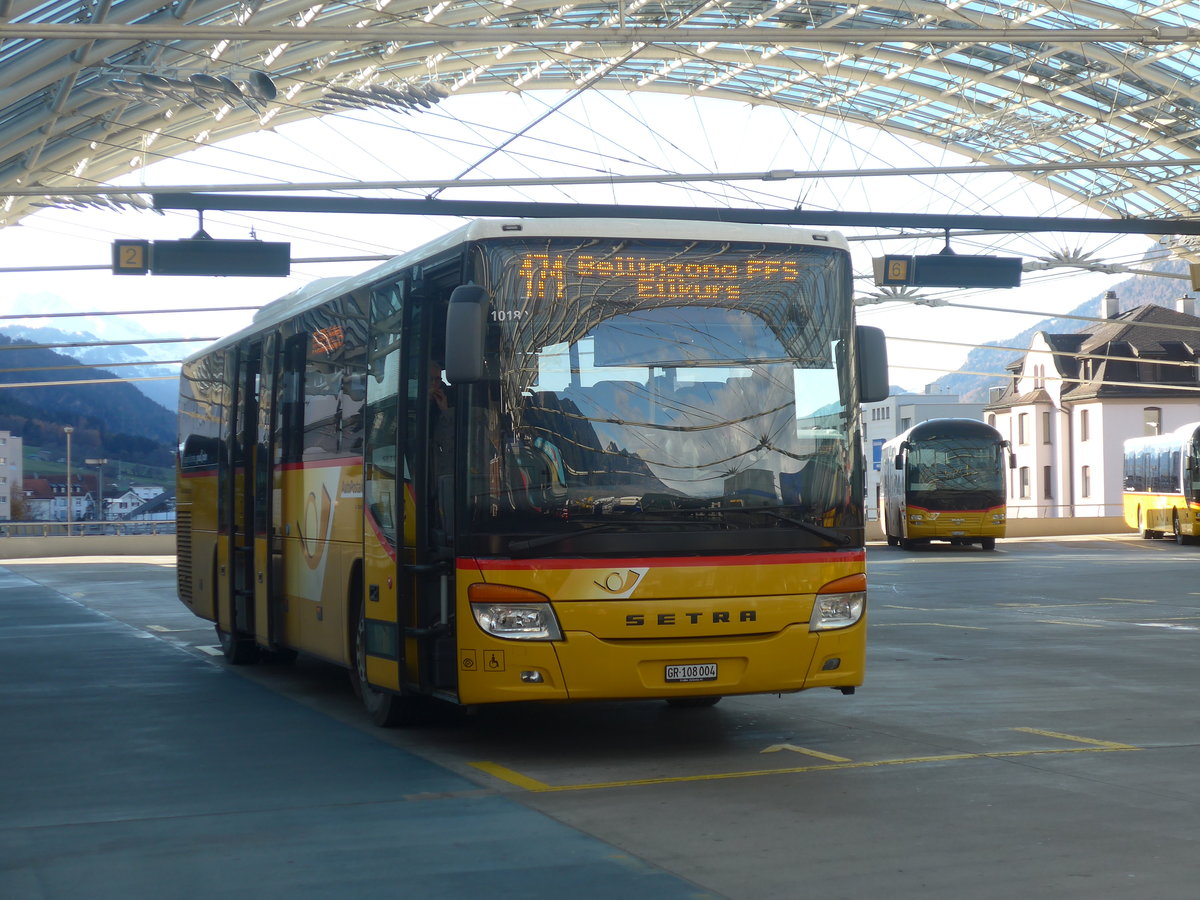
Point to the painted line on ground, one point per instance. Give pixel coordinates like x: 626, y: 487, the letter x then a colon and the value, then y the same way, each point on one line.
x: 1063, y: 622
x: 792, y: 748
x: 532, y: 785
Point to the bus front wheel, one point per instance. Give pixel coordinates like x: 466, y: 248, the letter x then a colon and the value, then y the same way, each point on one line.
x: 387, y: 710
x: 1180, y: 537
x: 241, y: 651
x: 988, y: 543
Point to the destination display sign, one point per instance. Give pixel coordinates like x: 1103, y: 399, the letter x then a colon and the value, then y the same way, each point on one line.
x: 554, y: 276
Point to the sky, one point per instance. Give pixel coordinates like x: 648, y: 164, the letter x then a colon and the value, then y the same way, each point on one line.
x: 591, y: 134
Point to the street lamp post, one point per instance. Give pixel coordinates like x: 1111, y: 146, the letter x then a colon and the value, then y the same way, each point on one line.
x: 99, y: 464
x: 69, y: 430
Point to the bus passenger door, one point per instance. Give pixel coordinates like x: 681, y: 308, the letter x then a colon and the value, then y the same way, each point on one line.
x: 385, y: 481
x: 236, y: 616
x: 432, y: 414
x: 267, y: 550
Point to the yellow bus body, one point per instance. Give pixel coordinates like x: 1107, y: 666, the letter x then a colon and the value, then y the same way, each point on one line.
x: 944, y: 525
x: 750, y: 617
x: 1156, y: 514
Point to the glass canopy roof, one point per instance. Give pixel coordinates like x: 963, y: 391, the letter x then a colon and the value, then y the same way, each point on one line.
x: 1097, y: 100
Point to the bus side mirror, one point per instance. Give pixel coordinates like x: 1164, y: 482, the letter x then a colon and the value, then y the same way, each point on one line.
x: 899, y: 461
x: 904, y: 448
x: 466, y: 328
x: 873, y: 383
x: 1012, y: 460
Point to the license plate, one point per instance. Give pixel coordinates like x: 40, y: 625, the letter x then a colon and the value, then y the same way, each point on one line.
x: 692, y: 672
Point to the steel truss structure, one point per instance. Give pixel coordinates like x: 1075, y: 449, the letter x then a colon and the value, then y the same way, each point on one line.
x: 1100, y: 101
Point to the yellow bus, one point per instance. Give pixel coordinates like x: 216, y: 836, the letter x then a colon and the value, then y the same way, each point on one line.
x: 643, y: 479
x: 943, y: 480
x: 1162, y: 484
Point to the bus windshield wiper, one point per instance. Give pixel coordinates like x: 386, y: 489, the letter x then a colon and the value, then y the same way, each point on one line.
x: 546, y: 540
x: 834, y: 537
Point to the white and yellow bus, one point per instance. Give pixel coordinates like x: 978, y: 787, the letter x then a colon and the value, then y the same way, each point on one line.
x: 642, y: 481
x: 943, y: 480
x: 1162, y: 484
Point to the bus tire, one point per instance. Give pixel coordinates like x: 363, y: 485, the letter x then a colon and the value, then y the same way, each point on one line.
x: 988, y: 543
x: 240, y: 651
x: 387, y: 710
x: 906, y: 544
x: 1180, y: 537
x: 893, y: 541
x: 692, y: 702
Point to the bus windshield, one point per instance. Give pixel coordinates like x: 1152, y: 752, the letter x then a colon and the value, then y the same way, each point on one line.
x: 652, y: 397
x: 957, y: 473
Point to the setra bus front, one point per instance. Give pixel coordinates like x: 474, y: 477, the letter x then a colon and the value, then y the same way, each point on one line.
x: 661, y: 482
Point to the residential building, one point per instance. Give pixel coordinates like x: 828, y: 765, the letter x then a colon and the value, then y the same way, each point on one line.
x: 46, y: 498
x: 147, y: 491
x: 11, y: 472
x: 884, y: 420
x: 1074, y: 399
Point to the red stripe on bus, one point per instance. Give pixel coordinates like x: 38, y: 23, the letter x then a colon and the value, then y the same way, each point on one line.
x: 772, y: 559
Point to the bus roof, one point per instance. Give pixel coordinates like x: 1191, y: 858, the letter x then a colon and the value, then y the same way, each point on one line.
x: 1177, y: 438
x: 931, y: 429
x: 324, y: 289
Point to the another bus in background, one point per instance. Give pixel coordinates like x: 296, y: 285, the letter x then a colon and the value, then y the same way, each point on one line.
x: 944, y: 480
x: 643, y: 480
x: 1162, y: 484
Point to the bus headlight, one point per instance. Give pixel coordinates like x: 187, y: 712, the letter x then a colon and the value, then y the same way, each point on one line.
x: 837, y: 610
x: 916, y: 517
x: 513, y: 613
x: 998, y: 518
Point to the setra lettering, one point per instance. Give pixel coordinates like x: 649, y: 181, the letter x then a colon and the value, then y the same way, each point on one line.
x: 717, y: 617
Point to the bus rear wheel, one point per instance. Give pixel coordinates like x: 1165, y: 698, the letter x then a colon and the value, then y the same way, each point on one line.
x: 1147, y: 534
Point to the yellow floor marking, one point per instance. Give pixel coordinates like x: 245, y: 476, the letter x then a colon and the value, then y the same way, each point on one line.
x: 1111, y: 745
x: 533, y: 785
x: 924, y: 625
x: 775, y: 748
x: 1098, y: 601
x: 1076, y: 624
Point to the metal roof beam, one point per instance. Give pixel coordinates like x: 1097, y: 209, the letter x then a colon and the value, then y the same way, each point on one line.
x: 1157, y: 34
x: 504, y: 208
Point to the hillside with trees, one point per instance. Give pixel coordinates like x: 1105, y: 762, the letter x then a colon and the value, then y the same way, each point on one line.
x: 110, y: 420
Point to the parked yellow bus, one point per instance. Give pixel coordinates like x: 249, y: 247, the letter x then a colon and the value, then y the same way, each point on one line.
x: 1162, y: 484
x: 943, y: 480
x: 643, y: 480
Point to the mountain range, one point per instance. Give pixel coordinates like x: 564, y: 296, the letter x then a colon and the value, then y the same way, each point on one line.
x: 98, y: 330
x: 109, y: 420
